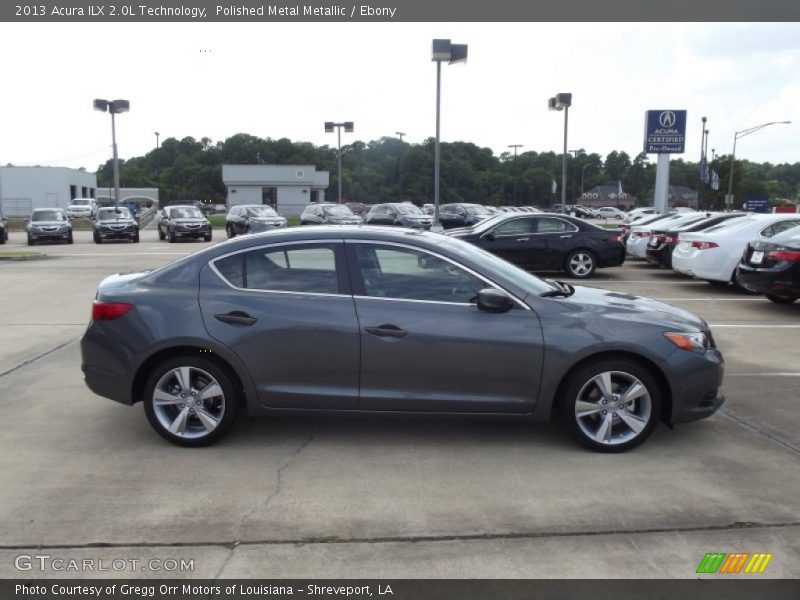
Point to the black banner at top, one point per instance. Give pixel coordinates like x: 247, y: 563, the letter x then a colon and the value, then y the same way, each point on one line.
x: 150, y: 11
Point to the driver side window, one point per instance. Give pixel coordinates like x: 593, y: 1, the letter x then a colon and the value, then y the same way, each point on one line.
x: 514, y: 227
x: 403, y: 273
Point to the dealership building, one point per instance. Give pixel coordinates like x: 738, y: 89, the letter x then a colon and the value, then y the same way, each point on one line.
x: 286, y: 188
x: 24, y: 188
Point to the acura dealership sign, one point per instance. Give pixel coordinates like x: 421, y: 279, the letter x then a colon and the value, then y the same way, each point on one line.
x: 664, y: 131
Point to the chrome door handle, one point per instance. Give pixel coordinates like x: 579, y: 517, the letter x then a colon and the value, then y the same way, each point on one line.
x: 392, y: 331
x: 236, y: 317
x: 525, y: 239
x: 565, y: 236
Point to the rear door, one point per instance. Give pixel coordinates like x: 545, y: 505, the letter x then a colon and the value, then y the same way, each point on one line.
x: 286, y: 310
x: 555, y: 238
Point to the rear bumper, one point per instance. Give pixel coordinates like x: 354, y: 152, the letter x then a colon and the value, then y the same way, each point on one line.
x: 660, y: 256
x: 612, y: 257
x: 781, y: 280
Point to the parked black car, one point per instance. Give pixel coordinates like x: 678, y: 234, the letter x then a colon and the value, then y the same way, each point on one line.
x: 772, y: 267
x: 663, y: 241
x: 548, y: 242
x: 252, y: 218
x: 326, y: 213
x: 49, y: 224
x: 3, y: 229
x: 462, y: 215
x: 179, y: 222
x: 114, y: 224
x: 401, y: 214
x: 384, y: 320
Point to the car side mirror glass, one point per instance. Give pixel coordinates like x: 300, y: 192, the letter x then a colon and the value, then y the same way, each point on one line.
x: 489, y: 237
x: 494, y: 300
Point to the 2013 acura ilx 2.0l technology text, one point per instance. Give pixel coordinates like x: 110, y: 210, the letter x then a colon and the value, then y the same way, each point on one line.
x: 336, y: 318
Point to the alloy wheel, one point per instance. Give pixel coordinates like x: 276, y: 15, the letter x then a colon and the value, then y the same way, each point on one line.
x: 581, y: 264
x: 188, y: 402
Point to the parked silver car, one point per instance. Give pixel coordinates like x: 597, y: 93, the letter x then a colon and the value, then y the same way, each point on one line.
x: 48, y: 225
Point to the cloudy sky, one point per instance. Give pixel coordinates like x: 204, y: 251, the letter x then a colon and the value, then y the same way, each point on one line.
x: 285, y: 80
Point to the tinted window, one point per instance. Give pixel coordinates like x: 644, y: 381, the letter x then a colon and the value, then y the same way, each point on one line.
x: 408, y: 209
x: 551, y: 225
x: 285, y: 268
x: 185, y: 213
x: 48, y: 215
x: 780, y: 227
x: 515, y: 227
x: 111, y: 214
x: 260, y: 211
x: 414, y: 275
x: 338, y: 210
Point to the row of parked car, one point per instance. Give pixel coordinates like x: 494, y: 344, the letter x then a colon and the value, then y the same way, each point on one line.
x: 755, y: 252
x: 54, y: 225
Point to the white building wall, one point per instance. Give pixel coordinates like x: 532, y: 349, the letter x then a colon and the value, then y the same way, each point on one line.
x: 244, y: 194
x: 292, y: 200
x: 24, y: 188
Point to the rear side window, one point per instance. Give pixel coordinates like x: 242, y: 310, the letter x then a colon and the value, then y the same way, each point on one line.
x: 550, y: 225
x: 779, y: 227
x: 309, y: 269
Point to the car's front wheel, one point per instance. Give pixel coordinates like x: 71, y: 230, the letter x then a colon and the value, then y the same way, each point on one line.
x: 230, y: 232
x: 581, y: 264
x: 611, y: 405
x: 190, y: 401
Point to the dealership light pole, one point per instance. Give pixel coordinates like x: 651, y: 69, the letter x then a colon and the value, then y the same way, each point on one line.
x: 348, y: 128
x: 443, y: 50
x: 562, y: 102
x: 114, y: 107
x: 400, y: 134
x: 516, y: 173
x: 157, y: 145
x: 736, y: 136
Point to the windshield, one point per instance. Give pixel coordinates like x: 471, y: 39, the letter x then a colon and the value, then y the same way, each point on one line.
x: 530, y: 283
x: 338, y: 211
x: 408, y: 209
x: 261, y: 211
x: 477, y: 209
x: 48, y: 215
x: 81, y: 203
x: 112, y: 214
x: 190, y: 212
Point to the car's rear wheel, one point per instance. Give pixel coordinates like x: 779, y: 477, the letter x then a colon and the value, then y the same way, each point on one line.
x: 780, y: 299
x: 580, y: 264
x: 190, y: 401
x: 611, y: 405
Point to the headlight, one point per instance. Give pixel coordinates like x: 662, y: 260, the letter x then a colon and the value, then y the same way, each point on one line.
x: 694, y: 341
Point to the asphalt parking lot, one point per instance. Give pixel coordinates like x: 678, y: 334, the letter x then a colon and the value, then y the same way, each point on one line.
x: 83, y: 477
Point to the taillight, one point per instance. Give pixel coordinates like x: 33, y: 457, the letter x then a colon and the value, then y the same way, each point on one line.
x: 615, y: 238
x: 641, y: 234
x: 704, y: 245
x: 792, y: 255
x: 671, y: 239
x: 108, y: 311
x: 625, y: 230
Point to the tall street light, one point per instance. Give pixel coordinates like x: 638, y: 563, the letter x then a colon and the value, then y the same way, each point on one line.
x: 157, y: 134
x: 736, y: 136
x: 348, y: 128
x: 400, y: 134
x: 562, y: 102
x: 516, y: 173
x: 114, y: 107
x: 442, y: 51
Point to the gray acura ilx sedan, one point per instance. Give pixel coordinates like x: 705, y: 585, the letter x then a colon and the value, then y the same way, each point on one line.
x: 335, y: 319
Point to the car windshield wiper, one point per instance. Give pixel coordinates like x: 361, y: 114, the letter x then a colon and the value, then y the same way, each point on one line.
x: 562, y: 289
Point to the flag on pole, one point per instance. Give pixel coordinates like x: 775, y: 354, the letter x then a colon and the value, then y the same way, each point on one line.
x: 555, y: 186
x: 714, y: 180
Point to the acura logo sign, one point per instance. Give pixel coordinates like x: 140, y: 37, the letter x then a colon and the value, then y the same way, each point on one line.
x: 667, y: 118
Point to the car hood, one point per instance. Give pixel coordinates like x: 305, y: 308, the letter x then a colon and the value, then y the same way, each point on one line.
x: 116, y: 222
x: 267, y: 219
x: 608, y: 303
x: 190, y: 221
x: 49, y: 223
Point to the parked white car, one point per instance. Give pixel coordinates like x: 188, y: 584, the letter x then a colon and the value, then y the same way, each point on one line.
x: 609, y: 212
x: 639, y: 233
x: 714, y: 253
x: 82, y: 208
x: 638, y: 213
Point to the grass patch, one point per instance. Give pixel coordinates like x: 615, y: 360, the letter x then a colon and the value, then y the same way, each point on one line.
x: 218, y: 221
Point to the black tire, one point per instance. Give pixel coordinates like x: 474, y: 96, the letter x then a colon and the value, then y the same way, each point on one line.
x: 195, y: 434
x: 580, y: 264
x: 230, y: 232
x: 717, y: 283
x: 69, y: 239
x: 740, y: 287
x: 171, y: 236
x: 97, y: 238
x: 136, y: 238
x: 646, y: 409
x: 161, y: 235
x: 30, y: 241
x: 780, y: 299
x: 3, y: 236
x: 208, y: 237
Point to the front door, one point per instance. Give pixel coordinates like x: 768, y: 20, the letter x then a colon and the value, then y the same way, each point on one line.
x: 511, y: 240
x: 425, y: 346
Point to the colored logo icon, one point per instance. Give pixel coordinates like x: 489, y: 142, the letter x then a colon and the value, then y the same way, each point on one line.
x: 734, y: 563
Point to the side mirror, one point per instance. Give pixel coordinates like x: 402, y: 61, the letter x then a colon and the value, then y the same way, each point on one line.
x: 494, y: 300
x: 489, y: 237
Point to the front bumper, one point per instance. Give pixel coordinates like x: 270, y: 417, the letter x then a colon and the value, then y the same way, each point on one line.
x: 696, y: 394
x: 49, y: 235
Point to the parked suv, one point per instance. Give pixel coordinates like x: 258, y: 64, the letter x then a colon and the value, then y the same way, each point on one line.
x: 252, y: 218
x: 49, y: 224
x: 114, y: 223
x: 401, y: 214
x: 183, y: 222
x: 84, y: 208
x: 462, y: 215
x: 328, y: 213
